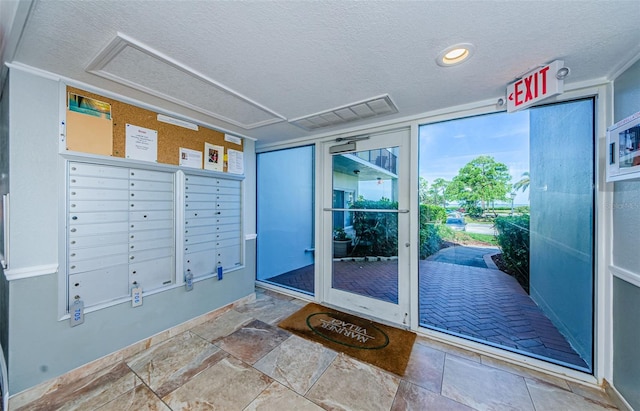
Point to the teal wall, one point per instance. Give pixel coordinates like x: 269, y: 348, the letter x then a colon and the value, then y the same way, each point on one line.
x: 626, y: 226
x: 39, y: 346
x: 285, y: 210
x: 626, y: 341
x: 561, y: 195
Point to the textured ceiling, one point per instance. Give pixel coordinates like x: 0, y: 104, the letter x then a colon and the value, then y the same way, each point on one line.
x: 277, y: 61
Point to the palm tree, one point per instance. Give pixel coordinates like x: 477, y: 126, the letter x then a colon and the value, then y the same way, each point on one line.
x: 523, y: 183
x: 423, y: 190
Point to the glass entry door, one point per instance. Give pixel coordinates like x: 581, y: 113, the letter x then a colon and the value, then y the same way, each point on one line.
x: 366, y: 226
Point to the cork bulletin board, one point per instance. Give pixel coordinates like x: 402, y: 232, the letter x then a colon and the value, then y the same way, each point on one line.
x: 108, y: 136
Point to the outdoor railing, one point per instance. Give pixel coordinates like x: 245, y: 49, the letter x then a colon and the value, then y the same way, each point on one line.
x: 382, y: 158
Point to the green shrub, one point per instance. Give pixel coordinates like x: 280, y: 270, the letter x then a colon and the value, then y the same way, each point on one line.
x: 513, y: 239
x: 376, y: 233
x: 431, y: 216
x: 430, y: 240
x: 430, y: 213
x: 473, y: 210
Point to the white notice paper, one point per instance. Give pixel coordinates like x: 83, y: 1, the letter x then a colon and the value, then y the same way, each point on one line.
x: 235, y: 162
x: 141, y: 144
x: 190, y: 158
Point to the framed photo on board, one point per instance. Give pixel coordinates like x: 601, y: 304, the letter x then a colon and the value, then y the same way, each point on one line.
x: 213, y: 157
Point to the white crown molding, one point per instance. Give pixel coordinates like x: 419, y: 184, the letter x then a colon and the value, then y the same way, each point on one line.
x: 29, y: 272
x: 621, y: 68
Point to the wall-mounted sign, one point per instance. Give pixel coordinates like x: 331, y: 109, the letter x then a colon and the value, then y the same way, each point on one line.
x: 534, y: 86
x: 141, y: 143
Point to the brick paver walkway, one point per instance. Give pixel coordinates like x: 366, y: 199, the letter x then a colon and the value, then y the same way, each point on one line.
x: 376, y: 279
x: 489, y: 306
x: 480, y: 304
x: 300, y: 280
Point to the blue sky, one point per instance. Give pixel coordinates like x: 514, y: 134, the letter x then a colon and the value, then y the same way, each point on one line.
x: 447, y: 146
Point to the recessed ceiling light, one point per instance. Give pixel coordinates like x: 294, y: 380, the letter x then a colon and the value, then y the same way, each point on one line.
x: 455, y: 54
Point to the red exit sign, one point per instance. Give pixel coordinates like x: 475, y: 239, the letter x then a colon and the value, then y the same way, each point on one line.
x: 534, y: 86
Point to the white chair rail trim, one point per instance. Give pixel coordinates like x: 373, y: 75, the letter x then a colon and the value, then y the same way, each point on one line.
x: 28, y: 272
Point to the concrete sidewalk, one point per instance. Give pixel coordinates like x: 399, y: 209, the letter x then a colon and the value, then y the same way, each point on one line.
x: 472, y: 256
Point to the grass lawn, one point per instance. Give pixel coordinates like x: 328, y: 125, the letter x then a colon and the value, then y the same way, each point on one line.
x: 462, y: 237
x: 485, y: 238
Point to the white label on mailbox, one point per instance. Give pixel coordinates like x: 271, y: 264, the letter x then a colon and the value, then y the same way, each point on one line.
x: 77, y: 313
x: 136, y: 296
x: 188, y: 280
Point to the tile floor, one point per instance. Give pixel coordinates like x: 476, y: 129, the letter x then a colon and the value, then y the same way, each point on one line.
x: 242, y: 361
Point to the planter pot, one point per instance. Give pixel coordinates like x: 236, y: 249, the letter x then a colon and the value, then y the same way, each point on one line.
x: 340, y: 248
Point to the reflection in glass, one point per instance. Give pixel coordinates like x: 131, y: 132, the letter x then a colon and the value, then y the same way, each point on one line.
x: 506, y: 230
x: 629, y: 143
x: 285, y: 218
x: 365, y: 243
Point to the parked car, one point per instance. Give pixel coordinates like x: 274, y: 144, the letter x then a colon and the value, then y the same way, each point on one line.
x: 456, y: 224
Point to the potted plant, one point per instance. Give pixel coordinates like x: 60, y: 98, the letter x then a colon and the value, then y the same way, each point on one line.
x: 341, y: 242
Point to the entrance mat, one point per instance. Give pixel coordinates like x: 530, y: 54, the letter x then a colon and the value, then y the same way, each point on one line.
x: 386, y: 347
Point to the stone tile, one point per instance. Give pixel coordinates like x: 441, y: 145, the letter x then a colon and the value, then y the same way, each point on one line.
x: 140, y: 398
x: 483, y: 387
x: 168, y: 365
x: 425, y: 367
x: 158, y: 338
x: 524, y: 371
x: 449, y: 349
x: 411, y: 397
x: 33, y: 393
x: 89, y: 392
x: 277, y: 397
x: 136, y: 348
x: 297, y: 363
x: 591, y: 393
x: 349, y: 384
x: 230, y: 384
x: 546, y: 397
x: 223, y: 325
x: 269, y: 308
x: 300, y: 303
x: 265, y: 293
x: 253, y: 341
